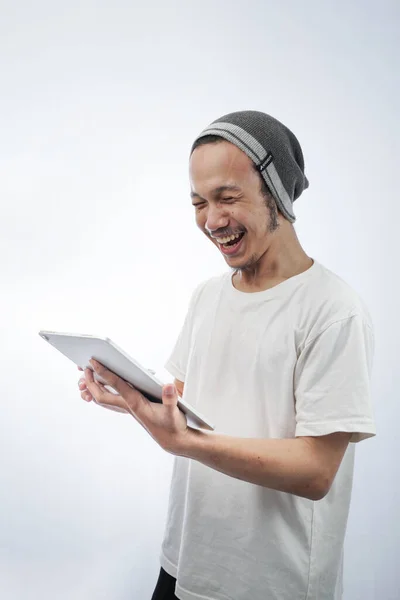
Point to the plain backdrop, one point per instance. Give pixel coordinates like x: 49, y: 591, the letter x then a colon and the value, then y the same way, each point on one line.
x: 100, y: 102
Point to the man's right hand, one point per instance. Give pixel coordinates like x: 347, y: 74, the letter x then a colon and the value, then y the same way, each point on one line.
x: 87, y: 396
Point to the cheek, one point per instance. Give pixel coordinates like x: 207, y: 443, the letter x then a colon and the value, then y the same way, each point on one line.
x: 238, y: 218
x: 200, y: 220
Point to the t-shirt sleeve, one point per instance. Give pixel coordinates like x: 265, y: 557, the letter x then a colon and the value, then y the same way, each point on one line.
x: 333, y: 381
x: 178, y: 359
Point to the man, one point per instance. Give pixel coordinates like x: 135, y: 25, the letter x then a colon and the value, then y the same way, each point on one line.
x: 277, y: 352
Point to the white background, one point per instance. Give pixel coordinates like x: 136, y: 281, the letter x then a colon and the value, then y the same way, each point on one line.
x: 100, y: 102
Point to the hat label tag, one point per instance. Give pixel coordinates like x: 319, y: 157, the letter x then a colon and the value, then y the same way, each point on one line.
x: 267, y: 161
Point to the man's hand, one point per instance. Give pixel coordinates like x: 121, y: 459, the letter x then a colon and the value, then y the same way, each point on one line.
x: 164, y: 422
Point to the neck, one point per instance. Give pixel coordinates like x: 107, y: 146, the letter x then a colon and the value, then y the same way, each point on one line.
x: 284, y: 258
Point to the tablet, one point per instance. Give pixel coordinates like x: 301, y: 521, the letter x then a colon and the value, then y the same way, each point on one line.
x: 80, y: 348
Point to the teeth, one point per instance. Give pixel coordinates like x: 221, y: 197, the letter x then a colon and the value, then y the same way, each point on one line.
x: 225, y: 240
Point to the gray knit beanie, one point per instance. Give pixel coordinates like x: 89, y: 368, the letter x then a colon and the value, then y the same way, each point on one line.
x: 273, y: 148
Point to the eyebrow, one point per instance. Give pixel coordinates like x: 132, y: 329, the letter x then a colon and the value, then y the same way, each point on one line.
x: 218, y: 191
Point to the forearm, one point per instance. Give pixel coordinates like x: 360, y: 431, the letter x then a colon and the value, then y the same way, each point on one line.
x: 287, y: 465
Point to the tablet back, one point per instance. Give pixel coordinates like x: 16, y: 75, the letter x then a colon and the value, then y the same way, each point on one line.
x: 80, y: 348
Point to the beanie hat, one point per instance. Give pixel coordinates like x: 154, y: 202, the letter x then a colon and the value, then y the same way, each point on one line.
x: 272, y: 147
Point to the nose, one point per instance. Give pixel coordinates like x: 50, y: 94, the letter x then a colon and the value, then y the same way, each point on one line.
x: 217, y: 218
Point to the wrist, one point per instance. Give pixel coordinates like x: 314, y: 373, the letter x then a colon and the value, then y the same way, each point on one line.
x: 191, y: 442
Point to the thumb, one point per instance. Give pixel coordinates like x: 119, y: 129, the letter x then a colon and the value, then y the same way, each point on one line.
x: 169, y: 395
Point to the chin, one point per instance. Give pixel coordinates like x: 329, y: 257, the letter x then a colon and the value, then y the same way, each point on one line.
x: 244, y: 264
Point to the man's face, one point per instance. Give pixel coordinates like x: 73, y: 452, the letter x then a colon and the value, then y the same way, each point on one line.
x: 226, y: 193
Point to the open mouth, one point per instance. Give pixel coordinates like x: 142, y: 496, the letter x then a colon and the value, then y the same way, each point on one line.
x: 231, y: 244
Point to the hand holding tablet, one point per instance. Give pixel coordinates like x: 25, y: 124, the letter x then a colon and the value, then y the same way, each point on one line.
x: 116, y: 367
x: 87, y: 396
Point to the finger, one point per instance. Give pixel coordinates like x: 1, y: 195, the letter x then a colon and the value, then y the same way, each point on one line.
x: 115, y: 405
x: 102, y: 396
x: 128, y: 399
x: 87, y: 396
x: 124, y: 389
x: 80, y: 369
x: 169, y: 395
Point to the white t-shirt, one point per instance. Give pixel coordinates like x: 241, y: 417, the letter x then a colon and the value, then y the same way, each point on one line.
x: 293, y: 360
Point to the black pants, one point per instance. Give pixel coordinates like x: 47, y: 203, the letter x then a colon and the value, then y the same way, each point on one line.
x: 165, y: 588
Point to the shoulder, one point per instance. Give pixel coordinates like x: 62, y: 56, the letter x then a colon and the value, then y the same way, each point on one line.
x: 339, y: 297
x: 329, y: 299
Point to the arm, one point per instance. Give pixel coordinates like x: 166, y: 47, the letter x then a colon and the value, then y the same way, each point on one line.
x: 179, y: 386
x: 304, y: 466
x: 332, y: 393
